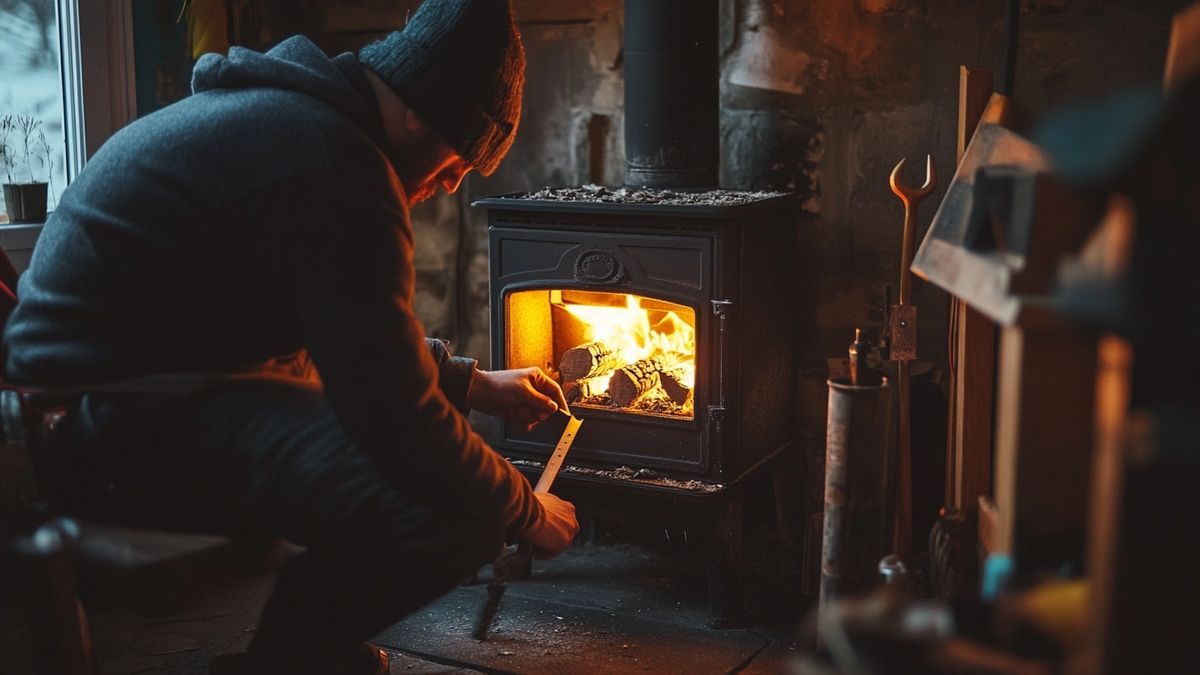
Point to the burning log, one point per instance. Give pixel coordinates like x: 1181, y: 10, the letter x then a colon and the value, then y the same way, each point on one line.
x: 588, y: 360
x: 629, y: 383
x: 673, y: 382
x: 576, y: 390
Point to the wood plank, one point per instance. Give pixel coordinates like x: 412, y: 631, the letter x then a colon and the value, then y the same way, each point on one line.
x: 973, y: 406
x: 1142, y: 595
x: 989, y: 525
x: 972, y: 345
x: 974, y: 90
x: 999, y: 111
x: 1113, y: 378
x: 1008, y: 420
x: 1044, y: 431
x: 1183, y: 52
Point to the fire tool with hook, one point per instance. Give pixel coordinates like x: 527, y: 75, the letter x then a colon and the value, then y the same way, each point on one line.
x: 903, y: 349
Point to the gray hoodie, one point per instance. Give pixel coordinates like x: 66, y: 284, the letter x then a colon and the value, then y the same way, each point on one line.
x: 254, y: 219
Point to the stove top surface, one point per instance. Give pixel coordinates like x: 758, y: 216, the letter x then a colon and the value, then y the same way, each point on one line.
x: 637, y: 199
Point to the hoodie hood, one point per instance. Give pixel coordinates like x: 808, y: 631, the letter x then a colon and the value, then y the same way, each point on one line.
x: 296, y: 64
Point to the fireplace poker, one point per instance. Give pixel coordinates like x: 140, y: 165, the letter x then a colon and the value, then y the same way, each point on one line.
x: 514, y: 564
x: 903, y: 349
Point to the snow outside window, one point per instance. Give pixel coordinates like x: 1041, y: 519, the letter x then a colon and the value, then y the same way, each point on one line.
x: 31, y: 84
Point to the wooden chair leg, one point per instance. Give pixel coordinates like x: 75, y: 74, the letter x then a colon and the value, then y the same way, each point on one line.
x: 62, y: 638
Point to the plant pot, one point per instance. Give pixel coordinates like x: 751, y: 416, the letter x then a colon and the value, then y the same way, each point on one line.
x: 25, y: 202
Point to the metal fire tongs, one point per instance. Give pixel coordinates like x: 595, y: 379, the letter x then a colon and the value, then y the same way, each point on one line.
x: 515, y: 563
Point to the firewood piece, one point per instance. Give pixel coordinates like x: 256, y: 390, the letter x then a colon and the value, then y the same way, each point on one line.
x: 629, y: 383
x: 673, y: 382
x: 576, y: 390
x: 588, y: 360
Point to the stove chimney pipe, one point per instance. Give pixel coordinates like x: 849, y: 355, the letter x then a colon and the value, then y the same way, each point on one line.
x: 672, y: 115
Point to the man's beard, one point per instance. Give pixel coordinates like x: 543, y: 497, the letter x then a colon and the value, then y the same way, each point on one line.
x: 419, y: 193
x: 416, y: 172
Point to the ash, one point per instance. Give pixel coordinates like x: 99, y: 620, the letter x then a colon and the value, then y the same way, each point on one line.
x: 656, y: 403
x: 645, y: 476
x: 628, y: 195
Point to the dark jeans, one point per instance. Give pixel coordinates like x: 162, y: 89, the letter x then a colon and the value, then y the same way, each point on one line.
x: 255, y: 459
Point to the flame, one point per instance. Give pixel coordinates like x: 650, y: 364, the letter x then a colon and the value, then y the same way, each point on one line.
x: 636, y: 333
x: 601, y: 381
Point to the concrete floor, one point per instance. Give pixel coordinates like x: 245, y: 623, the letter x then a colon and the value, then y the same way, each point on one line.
x: 611, y: 608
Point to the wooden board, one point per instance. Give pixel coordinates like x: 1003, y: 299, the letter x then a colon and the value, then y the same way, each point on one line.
x: 1113, y: 379
x: 969, y: 471
x: 1044, y: 431
x: 972, y: 345
x: 974, y: 90
x: 1183, y: 52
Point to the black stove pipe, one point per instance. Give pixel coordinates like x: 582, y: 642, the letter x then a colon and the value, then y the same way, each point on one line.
x: 672, y: 118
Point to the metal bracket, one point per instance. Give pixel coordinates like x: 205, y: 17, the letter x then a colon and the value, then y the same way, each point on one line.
x: 716, y: 421
x: 722, y: 308
x: 903, y: 329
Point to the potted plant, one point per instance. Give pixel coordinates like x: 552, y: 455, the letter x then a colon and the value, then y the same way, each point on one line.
x: 24, y: 201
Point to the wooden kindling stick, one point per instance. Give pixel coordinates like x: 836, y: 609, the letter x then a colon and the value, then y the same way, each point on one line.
x: 515, y: 564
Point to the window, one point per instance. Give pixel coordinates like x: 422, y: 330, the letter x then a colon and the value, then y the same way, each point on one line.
x: 31, y: 92
x: 67, y: 63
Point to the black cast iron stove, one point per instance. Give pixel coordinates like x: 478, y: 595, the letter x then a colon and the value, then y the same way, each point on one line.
x: 679, y: 304
x: 663, y: 311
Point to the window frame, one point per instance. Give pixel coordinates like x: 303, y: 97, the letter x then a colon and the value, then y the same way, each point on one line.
x: 96, y: 72
x: 96, y: 62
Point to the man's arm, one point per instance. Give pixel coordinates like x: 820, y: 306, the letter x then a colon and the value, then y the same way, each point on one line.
x: 351, y: 284
x: 522, y: 396
x: 455, y: 373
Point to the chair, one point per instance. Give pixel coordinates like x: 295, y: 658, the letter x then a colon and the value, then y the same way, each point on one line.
x: 49, y: 558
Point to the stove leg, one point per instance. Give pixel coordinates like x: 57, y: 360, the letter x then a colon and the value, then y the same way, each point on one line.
x: 725, y: 563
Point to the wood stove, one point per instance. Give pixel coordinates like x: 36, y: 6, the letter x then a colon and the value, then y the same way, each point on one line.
x: 662, y: 310
x: 665, y: 316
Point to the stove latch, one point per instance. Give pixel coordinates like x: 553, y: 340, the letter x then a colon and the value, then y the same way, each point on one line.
x: 716, y: 413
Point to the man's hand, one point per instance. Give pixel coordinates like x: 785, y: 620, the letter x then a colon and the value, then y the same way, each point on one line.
x: 556, y: 529
x: 525, y: 396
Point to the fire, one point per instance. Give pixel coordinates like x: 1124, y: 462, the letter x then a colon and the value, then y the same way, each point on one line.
x: 656, y: 344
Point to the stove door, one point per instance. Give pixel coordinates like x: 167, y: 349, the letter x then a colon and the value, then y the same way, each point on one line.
x: 624, y: 323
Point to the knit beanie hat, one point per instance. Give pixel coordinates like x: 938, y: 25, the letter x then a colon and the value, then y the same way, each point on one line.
x: 460, y: 65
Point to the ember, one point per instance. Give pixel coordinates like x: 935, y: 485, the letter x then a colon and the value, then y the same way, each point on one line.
x: 632, y: 195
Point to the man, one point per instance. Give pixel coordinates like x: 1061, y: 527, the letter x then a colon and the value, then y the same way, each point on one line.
x: 265, y: 220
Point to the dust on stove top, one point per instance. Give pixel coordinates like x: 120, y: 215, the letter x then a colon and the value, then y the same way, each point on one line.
x: 644, y: 195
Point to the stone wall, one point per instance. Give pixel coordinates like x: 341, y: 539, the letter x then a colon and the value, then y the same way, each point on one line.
x: 818, y: 96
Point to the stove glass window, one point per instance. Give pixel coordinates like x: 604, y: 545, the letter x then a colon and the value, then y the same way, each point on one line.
x: 610, y: 351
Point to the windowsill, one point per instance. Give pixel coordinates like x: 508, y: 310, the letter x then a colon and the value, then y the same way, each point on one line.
x: 7, y: 226
x: 18, y: 240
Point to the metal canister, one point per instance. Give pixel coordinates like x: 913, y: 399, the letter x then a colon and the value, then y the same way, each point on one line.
x: 857, y: 443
